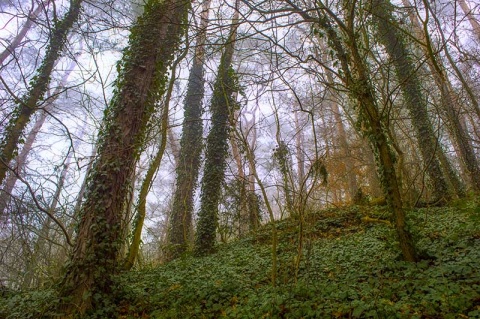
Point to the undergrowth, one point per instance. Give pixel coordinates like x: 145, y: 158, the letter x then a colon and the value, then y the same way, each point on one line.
x: 348, y: 269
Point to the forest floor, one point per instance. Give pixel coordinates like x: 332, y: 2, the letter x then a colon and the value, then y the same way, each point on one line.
x: 349, y: 267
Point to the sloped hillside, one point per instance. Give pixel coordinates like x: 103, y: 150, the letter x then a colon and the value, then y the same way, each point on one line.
x: 350, y: 267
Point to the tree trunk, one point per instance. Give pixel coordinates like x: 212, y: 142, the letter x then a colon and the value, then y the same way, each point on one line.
x: 449, y: 103
x: 299, y: 150
x: 141, y: 210
x: 221, y: 107
x: 356, y: 80
x: 21, y: 159
x: 174, y: 146
x: 27, y: 106
x: 475, y: 104
x: 243, y: 217
x: 141, y: 82
x: 17, y: 40
x: 372, y: 172
x: 253, y: 201
x: 396, y: 48
x: 471, y: 18
x: 191, y: 144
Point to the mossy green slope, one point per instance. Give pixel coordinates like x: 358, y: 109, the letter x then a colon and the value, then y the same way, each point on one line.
x: 349, y: 269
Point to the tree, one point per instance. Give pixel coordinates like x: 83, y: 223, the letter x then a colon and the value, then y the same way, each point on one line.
x: 191, y: 144
x: 21, y: 158
x: 471, y: 18
x: 356, y: 79
x: 141, y: 209
x: 29, y: 104
x: 141, y: 82
x: 221, y: 107
x: 395, y: 45
x: 449, y: 102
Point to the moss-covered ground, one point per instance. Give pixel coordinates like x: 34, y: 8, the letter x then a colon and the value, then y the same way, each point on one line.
x: 349, y: 268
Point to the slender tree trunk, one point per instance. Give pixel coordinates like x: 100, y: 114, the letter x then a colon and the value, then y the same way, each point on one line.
x: 141, y: 207
x: 253, y: 202
x: 174, y: 146
x: 475, y: 104
x: 471, y: 18
x: 17, y: 40
x: 141, y: 82
x: 299, y: 151
x: 346, y: 153
x: 43, y: 237
x: 372, y: 172
x: 243, y: 218
x: 394, y: 42
x: 360, y: 89
x: 191, y: 144
x: 449, y: 103
x: 221, y: 107
x: 28, y: 105
x: 21, y: 159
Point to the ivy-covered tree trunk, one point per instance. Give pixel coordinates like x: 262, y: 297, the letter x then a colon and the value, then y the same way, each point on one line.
x: 141, y: 82
x: 389, y: 34
x: 191, y: 144
x: 254, y: 216
x: 449, y: 103
x: 355, y: 77
x: 221, y: 106
x: 20, y: 162
x: 141, y: 207
x: 27, y: 106
x: 281, y: 154
x: 21, y: 159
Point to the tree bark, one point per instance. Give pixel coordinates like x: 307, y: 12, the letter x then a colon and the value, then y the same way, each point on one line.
x: 243, y: 216
x: 21, y: 159
x: 449, y: 103
x: 141, y: 82
x: 299, y: 149
x: 396, y: 48
x: 29, y: 104
x: 221, y: 107
x: 253, y: 201
x: 191, y: 144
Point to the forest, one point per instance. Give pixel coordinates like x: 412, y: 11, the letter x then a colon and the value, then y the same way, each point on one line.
x: 239, y: 159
